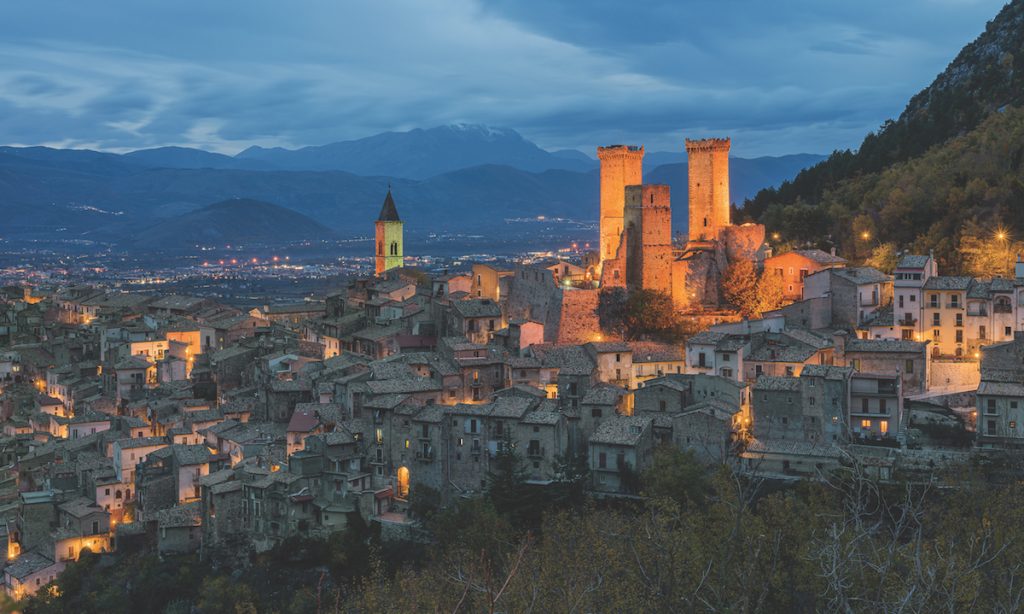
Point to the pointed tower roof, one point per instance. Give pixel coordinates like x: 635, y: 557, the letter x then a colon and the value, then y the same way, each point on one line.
x: 388, y: 212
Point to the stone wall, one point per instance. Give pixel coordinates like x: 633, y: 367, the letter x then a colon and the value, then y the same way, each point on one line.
x: 947, y: 374
x: 743, y: 242
x: 578, y: 321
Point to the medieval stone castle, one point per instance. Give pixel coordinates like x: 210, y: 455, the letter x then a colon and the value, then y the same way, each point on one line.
x: 636, y: 245
x: 637, y: 249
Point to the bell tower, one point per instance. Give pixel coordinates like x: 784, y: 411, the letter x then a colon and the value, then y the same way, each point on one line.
x: 389, y: 236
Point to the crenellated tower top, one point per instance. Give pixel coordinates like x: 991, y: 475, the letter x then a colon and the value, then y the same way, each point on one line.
x: 614, y: 151
x: 708, y: 144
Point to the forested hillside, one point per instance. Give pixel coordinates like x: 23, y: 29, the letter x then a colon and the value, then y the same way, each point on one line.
x: 985, y: 79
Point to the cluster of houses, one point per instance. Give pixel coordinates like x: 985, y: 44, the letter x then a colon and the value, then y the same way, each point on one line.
x: 184, y: 425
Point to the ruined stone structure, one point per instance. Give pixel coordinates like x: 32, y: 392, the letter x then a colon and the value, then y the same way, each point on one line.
x: 648, y: 238
x: 621, y: 165
x: 708, y: 164
x: 389, y: 237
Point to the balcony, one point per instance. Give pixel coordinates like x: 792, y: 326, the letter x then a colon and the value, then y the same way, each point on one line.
x: 425, y: 456
x: 868, y: 301
x: 1002, y: 308
x: 535, y: 452
x: 908, y: 321
x: 980, y: 312
x: 954, y: 306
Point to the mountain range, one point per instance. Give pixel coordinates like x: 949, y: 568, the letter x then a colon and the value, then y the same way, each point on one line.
x: 458, y: 178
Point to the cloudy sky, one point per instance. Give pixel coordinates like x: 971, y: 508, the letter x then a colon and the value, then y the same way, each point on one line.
x: 779, y: 76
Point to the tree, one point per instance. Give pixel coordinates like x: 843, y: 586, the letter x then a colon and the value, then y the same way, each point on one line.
x: 424, y: 501
x: 739, y: 287
x: 507, y: 487
x: 678, y: 476
x: 770, y: 294
x: 883, y: 258
x: 611, y: 311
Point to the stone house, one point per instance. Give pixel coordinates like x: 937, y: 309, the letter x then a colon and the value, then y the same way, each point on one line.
x: 620, y: 448
x: 793, y: 268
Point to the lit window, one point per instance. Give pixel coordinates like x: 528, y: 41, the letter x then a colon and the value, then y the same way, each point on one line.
x: 865, y: 424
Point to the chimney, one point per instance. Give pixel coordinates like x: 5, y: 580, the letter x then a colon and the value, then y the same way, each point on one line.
x: 839, y: 347
x: 833, y: 250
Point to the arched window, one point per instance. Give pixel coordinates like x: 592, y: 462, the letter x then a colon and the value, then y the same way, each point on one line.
x: 380, y: 248
x: 394, y: 248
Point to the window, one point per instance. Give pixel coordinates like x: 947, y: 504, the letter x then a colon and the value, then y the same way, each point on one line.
x: 726, y: 357
x: 991, y: 427
x: 865, y: 424
x: 981, y: 332
x: 595, y: 412
x: 602, y: 460
x: 908, y: 366
x: 936, y: 319
x: 618, y: 358
x: 811, y: 401
x: 1013, y: 424
x: 959, y: 319
x: 661, y: 405
x: 881, y: 406
x: 990, y: 406
x: 864, y: 405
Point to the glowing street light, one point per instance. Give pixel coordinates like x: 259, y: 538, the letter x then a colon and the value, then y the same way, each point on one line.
x: 865, y: 235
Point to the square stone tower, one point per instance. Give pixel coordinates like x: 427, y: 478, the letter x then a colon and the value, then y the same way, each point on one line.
x: 709, y: 188
x: 621, y: 165
x: 389, y: 237
x: 648, y: 224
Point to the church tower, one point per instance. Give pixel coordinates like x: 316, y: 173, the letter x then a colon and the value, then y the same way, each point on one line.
x: 389, y: 236
x: 709, y: 187
x: 621, y: 165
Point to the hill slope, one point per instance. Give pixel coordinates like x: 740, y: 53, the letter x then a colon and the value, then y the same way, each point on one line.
x: 419, y: 154
x: 236, y: 220
x: 987, y: 75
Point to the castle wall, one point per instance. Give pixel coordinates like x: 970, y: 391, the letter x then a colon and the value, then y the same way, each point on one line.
x: 708, y: 166
x: 621, y: 165
x: 648, y: 224
x: 578, y: 317
x: 744, y: 242
x: 534, y: 295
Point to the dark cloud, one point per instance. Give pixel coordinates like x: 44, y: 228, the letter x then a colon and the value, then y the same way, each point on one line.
x: 780, y: 77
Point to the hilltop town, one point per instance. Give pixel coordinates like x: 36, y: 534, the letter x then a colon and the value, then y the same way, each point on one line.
x: 178, y: 424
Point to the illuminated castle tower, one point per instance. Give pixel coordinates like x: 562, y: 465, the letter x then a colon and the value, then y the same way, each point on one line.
x: 389, y: 236
x: 621, y: 165
x: 648, y: 238
x: 709, y: 187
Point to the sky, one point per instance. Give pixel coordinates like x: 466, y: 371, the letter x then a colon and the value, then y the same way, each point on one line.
x: 779, y: 77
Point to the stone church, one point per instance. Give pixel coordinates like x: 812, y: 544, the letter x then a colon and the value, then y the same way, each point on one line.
x: 636, y: 245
